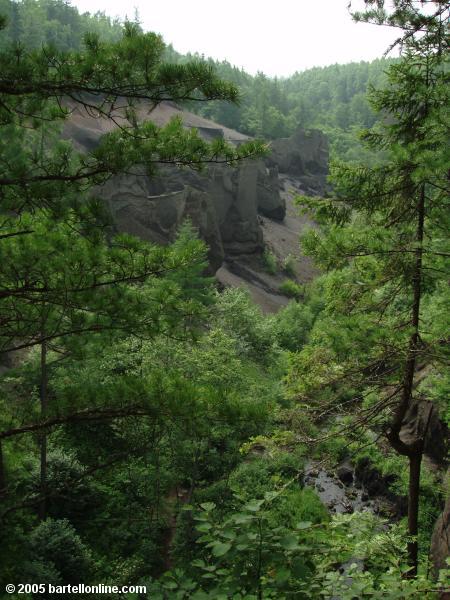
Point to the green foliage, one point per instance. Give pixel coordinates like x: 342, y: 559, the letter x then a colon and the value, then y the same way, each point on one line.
x: 54, y: 22
x: 58, y: 554
x: 135, y: 388
x: 291, y: 289
x: 382, y: 245
x: 331, y: 98
x: 154, y: 392
x: 256, y: 476
x: 436, y: 387
x: 289, y: 265
x: 236, y: 313
x: 244, y: 556
x: 247, y: 553
x: 270, y: 262
x: 292, y: 325
x: 81, y: 284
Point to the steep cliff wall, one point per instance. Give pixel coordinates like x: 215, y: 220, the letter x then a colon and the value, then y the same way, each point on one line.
x: 232, y: 208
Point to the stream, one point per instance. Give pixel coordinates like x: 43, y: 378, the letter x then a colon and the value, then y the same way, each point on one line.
x: 343, y: 492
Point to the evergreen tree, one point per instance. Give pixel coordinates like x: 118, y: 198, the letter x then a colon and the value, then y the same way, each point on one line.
x: 64, y: 277
x: 390, y: 254
x: 39, y: 171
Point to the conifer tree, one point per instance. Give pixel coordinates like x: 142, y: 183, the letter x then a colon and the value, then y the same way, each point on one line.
x: 119, y: 83
x: 63, y: 277
x: 386, y: 238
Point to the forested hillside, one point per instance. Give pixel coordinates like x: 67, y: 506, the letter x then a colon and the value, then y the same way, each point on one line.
x: 332, y: 99
x: 37, y: 22
x: 156, y: 428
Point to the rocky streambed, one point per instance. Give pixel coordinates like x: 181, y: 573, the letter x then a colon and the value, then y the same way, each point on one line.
x: 349, y: 489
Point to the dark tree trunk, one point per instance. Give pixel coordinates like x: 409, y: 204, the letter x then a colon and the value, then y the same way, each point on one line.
x: 413, y: 450
x: 413, y: 511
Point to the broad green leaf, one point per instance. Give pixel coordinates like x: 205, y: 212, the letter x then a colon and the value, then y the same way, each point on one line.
x: 289, y: 542
x: 241, y: 518
x: 203, y: 527
x: 282, y: 575
x: 198, y: 563
x: 254, y: 505
x: 268, y: 496
x: 220, y: 548
x: 229, y: 534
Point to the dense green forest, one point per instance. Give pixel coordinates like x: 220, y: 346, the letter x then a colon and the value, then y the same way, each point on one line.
x: 158, y: 431
x: 332, y: 99
x: 37, y: 22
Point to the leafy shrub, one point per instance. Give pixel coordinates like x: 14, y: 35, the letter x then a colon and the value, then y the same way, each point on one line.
x: 244, y: 556
x: 270, y: 262
x: 280, y: 439
x: 56, y: 551
x: 335, y: 447
x: 289, y: 265
x: 253, y: 478
x: 238, y: 316
x: 298, y: 505
x: 291, y: 326
x: 64, y: 475
x: 291, y: 289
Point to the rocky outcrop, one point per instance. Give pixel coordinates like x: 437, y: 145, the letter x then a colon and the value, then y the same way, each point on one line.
x: 270, y: 203
x: 223, y: 203
x: 345, y: 473
x: 304, y: 156
x: 378, y: 485
x: 422, y: 422
x: 440, y: 540
x: 234, y: 195
x: 157, y: 218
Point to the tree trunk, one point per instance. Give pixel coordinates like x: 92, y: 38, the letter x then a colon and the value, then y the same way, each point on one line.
x: 43, y: 396
x: 413, y: 450
x: 413, y: 511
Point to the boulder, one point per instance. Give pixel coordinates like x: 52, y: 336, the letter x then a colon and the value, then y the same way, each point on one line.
x: 370, y: 478
x: 305, y: 152
x: 345, y: 473
x: 440, y: 540
x: 270, y: 202
x: 423, y: 421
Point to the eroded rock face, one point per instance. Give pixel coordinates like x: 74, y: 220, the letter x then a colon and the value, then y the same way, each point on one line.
x: 304, y: 156
x: 223, y: 202
x: 270, y: 203
x: 440, y: 540
x: 157, y: 218
x: 422, y: 421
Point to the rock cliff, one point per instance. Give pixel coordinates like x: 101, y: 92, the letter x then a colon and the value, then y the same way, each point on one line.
x: 440, y: 540
x: 234, y: 209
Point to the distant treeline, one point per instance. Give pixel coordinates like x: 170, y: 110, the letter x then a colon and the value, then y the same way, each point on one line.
x: 332, y: 98
x: 38, y: 22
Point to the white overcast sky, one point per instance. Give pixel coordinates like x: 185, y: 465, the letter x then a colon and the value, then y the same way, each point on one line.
x: 277, y: 37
